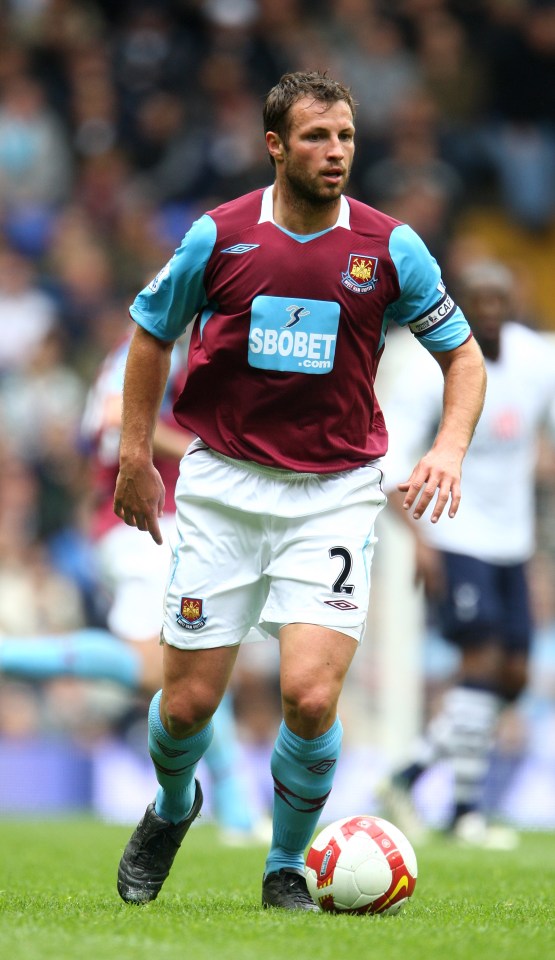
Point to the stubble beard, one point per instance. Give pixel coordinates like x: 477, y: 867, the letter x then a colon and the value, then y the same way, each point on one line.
x: 305, y: 193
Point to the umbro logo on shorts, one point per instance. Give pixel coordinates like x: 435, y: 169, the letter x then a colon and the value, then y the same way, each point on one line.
x: 341, y: 604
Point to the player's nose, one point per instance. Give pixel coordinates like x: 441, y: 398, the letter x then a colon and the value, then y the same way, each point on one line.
x: 336, y: 147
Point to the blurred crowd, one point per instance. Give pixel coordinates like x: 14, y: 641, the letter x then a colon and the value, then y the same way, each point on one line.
x: 121, y: 123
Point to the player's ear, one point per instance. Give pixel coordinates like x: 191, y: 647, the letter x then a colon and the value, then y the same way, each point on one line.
x: 275, y: 146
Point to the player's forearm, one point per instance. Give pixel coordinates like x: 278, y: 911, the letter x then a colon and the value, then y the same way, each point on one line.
x: 146, y: 373
x: 463, y: 397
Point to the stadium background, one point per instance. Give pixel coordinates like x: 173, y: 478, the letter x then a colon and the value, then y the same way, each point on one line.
x: 119, y: 125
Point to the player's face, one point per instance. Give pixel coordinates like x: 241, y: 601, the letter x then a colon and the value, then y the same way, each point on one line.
x: 319, y: 152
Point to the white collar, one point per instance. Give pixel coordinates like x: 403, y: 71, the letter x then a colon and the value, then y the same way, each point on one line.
x: 267, y: 210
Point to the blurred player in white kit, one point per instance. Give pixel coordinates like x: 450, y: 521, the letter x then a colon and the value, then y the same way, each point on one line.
x: 474, y: 568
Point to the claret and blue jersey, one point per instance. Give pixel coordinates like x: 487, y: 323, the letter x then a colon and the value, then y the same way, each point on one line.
x: 288, y: 330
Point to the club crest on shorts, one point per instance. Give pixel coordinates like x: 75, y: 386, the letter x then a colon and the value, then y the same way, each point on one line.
x: 190, y: 615
x: 360, y: 275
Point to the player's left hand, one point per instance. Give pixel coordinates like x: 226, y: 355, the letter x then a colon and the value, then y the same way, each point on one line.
x: 435, y: 474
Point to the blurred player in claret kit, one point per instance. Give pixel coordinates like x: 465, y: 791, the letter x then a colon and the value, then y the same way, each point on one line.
x: 474, y: 570
x: 290, y: 289
x: 132, y: 573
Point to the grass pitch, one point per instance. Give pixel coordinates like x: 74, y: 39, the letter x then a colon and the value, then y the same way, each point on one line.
x: 58, y: 900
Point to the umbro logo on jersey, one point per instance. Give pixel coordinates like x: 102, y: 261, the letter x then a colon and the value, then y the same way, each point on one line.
x: 241, y: 248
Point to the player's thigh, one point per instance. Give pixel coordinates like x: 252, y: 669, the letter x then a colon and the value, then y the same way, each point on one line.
x: 216, y: 588
x: 320, y: 569
x: 314, y: 662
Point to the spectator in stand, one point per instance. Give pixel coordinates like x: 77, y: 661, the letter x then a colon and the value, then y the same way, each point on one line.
x: 414, y: 182
x: 27, y: 313
x: 519, y: 138
x: 35, y: 157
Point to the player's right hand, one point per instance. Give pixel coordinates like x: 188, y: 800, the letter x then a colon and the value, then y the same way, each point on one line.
x: 139, y: 498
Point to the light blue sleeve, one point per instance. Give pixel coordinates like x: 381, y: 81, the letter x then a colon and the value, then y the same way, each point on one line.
x: 177, y: 293
x: 424, y: 305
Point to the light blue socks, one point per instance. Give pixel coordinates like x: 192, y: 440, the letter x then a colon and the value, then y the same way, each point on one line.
x: 232, y: 807
x: 303, y: 772
x: 175, y: 762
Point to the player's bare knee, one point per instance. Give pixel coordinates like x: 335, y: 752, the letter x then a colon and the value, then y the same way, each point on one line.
x: 185, y: 715
x: 308, y: 712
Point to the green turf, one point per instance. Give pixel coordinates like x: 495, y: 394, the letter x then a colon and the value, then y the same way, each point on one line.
x: 58, y: 900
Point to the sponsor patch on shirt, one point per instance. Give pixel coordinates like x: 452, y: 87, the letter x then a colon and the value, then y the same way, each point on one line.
x: 293, y: 335
x: 438, y: 315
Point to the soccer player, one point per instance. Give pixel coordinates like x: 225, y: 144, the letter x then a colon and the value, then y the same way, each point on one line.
x: 474, y: 568
x: 290, y: 290
x: 131, y: 571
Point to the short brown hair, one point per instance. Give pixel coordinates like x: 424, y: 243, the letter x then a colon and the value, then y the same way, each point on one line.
x: 294, y: 86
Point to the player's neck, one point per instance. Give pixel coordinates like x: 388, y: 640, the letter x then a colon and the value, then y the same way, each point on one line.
x: 299, y: 215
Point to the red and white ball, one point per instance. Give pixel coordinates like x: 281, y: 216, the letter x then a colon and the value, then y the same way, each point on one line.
x: 361, y: 865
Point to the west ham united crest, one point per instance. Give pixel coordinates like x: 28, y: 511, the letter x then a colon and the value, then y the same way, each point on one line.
x: 190, y: 615
x: 360, y: 275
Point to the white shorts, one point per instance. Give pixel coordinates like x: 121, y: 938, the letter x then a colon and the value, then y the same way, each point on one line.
x: 133, y: 570
x: 258, y: 547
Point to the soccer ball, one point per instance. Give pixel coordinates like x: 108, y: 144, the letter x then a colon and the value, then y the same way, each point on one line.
x: 361, y: 865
